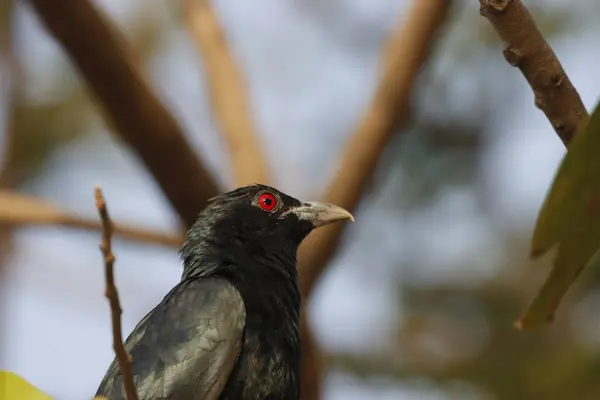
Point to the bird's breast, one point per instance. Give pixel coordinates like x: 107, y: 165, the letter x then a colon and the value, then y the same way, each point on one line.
x: 268, y: 366
x: 265, y: 372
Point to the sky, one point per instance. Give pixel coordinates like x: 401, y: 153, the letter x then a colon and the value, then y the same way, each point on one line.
x: 310, y: 77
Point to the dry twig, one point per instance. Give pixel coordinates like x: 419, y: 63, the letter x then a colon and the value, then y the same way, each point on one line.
x: 526, y: 48
x: 112, y: 295
x: 18, y: 210
x: 406, y: 52
x: 105, y: 61
x: 228, y: 93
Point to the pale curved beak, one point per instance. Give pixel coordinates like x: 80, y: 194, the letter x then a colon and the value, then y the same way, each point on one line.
x: 321, y: 214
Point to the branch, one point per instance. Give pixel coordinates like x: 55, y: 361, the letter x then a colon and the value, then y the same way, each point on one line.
x: 526, y: 49
x: 8, y: 77
x: 112, y: 295
x: 105, y: 61
x: 232, y: 112
x: 227, y: 93
x: 18, y: 210
x: 406, y: 51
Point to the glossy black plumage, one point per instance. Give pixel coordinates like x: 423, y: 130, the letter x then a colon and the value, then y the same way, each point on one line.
x: 229, y: 329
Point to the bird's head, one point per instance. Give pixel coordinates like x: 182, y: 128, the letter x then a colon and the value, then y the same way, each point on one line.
x: 257, y: 219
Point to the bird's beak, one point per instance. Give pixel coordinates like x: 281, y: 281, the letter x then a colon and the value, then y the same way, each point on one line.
x: 321, y: 213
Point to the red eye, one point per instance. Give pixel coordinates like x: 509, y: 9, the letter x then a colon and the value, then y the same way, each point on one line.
x: 267, y: 201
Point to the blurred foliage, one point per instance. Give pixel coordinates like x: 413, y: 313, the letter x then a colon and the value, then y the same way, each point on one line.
x: 456, y: 334
x: 463, y: 332
x: 5, y: 13
x: 6, y: 62
x: 38, y: 128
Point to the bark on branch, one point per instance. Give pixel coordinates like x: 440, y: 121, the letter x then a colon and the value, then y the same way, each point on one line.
x: 526, y: 48
x: 103, y: 58
x: 112, y: 295
x: 228, y: 93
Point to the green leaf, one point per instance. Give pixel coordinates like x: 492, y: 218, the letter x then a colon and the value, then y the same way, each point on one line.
x: 570, y: 220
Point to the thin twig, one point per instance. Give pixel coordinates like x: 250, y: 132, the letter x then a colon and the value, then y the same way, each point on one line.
x: 17, y: 210
x: 104, y: 59
x: 406, y: 52
x: 526, y: 48
x: 228, y: 93
x: 112, y: 295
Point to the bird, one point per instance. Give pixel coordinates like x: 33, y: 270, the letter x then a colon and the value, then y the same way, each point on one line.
x: 229, y: 330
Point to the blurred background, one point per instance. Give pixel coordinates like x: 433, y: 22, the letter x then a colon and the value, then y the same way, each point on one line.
x: 419, y: 301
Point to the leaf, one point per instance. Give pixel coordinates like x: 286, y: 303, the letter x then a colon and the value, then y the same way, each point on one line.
x: 12, y: 386
x: 570, y: 220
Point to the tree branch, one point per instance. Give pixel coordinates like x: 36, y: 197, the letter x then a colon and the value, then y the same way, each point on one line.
x: 249, y: 163
x: 18, y: 210
x: 112, y: 295
x: 7, y: 98
x: 106, y: 63
x: 406, y: 52
x: 228, y: 93
x: 526, y: 49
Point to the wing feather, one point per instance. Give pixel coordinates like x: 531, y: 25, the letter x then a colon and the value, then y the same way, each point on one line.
x: 187, y: 346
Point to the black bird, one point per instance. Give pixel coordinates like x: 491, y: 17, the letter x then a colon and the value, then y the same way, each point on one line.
x: 229, y: 329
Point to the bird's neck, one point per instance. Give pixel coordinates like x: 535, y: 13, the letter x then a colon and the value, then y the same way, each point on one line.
x: 205, y: 255
x: 271, y: 272
x: 266, y: 278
